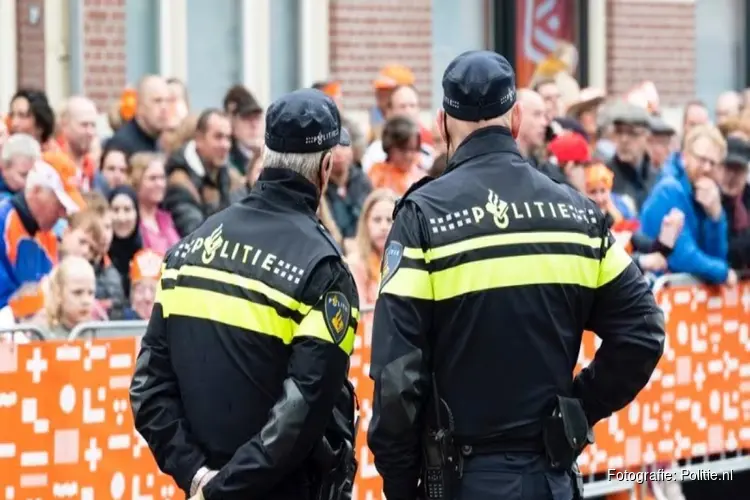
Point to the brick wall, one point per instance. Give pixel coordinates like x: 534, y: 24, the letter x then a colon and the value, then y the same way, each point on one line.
x: 30, y: 44
x: 367, y: 34
x: 104, y: 70
x: 655, y: 41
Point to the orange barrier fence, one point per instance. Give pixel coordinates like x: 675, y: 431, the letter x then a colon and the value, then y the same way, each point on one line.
x: 67, y: 430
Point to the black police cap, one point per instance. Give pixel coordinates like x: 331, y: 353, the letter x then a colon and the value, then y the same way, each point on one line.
x: 478, y: 85
x: 303, y: 121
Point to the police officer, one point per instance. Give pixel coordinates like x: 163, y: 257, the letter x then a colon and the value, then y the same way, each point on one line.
x: 490, y: 275
x: 247, y: 350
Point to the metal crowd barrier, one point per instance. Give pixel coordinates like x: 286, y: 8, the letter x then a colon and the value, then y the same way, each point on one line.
x: 31, y: 332
x: 108, y: 329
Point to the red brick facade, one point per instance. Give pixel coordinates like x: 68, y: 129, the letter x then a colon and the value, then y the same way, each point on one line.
x: 104, y: 71
x: 645, y: 40
x: 654, y: 41
x: 30, y: 43
x: 365, y: 35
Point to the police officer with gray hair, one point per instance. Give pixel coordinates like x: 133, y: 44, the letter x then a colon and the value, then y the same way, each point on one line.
x: 240, y: 388
x: 491, y: 274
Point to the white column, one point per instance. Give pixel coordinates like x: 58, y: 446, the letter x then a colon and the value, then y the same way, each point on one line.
x: 56, y: 56
x: 256, y: 48
x: 173, y: 58
x: 314, y: 50
x: 8, y: 54
x: 597, y: 43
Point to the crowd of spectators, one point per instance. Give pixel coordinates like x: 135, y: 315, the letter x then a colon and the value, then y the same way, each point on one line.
x: 86, y: 219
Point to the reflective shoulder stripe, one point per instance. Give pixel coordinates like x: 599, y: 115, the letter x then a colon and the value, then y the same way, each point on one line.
x: 613, y: 264
x: 409, y: 282
x: 558, y: 257
x: 314, y: 326
x: 521, y: 270
x: 229, y: 310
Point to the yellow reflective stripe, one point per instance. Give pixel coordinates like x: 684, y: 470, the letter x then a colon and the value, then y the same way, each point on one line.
x: 501, y: 240
x: 355, y: 313
x: 314, y: 325
x: 169, y: 274
x: 246, y: 283
x: 228, y: 310
x: 414, y: 253
x: 413, y: 283
x: 515, y: 271
x: 613, y: 264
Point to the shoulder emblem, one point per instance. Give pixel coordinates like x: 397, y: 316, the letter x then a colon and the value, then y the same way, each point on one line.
x: 391, y: 260
x: 336, y: 312
x: 421, y: 182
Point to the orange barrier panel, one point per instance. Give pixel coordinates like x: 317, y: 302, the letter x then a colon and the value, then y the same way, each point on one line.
x: 67, y: 430
x: 698, y: 387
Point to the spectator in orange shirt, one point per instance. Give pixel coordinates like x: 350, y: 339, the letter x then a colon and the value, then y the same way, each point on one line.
x: 401, y: 169
x: 77, y: 135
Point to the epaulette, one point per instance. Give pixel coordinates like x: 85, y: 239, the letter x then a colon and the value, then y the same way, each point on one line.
x: 329, y: 239
x: 400, y: 202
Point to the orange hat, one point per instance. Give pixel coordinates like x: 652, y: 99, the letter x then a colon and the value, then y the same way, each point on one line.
x: 332, y: 89
x: 128, y: 101
x: 598, y: 174
x: 392, y: 76
x: 146, y: 264
x: 57, y: 172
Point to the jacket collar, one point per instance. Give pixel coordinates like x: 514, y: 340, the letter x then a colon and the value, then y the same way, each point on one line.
x: 287, y: 187
x: 24, y: 213
x: 481, y: 142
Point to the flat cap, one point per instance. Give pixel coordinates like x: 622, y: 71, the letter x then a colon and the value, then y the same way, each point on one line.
x: 624, y: 113
x: 659, y: 127
x: 738, y: 153
x: 478, y: 85
x: 303, y: 121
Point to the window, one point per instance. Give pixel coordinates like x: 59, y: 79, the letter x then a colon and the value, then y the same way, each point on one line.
x: 285, y: 41
x: 141, y: 39
x: 214, y: 55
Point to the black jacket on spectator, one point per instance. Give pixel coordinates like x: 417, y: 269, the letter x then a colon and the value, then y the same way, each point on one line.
x: 131, y: 139
x: 739, y: 241
x: 347, y: 209
x: 109, y: 287
x: 193, y: 194
x: 238, y: 158
x: 633, y: 182
x: 549, y: 169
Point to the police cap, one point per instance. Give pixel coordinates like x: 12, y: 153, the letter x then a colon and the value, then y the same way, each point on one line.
x: 303, y: 121
x: 478, y: 85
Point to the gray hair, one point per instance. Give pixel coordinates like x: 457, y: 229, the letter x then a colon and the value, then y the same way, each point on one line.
x: 305, y: 164
x: 21, y: 146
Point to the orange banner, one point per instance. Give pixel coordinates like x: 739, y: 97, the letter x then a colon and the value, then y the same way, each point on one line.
x: 67, y: 430
x: 539, y: 25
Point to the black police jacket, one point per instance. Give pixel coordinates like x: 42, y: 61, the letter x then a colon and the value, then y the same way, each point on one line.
x: 248, y: 346
x: 490, y: 275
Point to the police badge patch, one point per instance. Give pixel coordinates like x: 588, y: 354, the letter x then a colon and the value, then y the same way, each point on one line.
x: 391, y: 260
x: 336, y: 312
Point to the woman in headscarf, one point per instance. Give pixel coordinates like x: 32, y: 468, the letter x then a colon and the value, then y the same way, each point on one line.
x: 126, y: 239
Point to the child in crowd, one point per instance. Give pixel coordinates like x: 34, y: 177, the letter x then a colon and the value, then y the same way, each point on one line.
x: 82, y: 235
x: 109, y: 290
x: 69, y: 296
x: 372, y: 231
x: 145, y: 270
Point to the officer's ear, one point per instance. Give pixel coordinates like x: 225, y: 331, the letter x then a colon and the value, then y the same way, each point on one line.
x: 325, y: 169
x: 515, y: 120
x: 441, y: 125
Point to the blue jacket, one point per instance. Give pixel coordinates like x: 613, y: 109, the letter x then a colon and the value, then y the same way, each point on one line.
x: 26, y: 253
x: 673, y: 165
x: 701, y: 249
